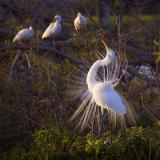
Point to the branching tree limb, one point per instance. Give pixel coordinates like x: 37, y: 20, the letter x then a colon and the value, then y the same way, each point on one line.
x: 138, y: 90
x: 52, y: 52
x: 144, y: 58
x: 141, y: 58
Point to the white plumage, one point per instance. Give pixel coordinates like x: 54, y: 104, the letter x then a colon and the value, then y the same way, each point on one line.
x: 80, y: 22
x: 54, y: 29
x: 26, y: 34
x: 103, y: 93
x: 96, y: 90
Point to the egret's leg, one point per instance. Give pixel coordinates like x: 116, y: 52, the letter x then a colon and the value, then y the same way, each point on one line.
x: 28, y: 62
x: 13, y: 64
x: 123, y: 127
x: 110, y: 126
x: 30, y: 53
x: 85, y: 35
x: 53, y: 43
x: 30, y: 48
x: 102, y: 111
x: 37, y: 41
x: 99, y: 120
x: 54, y: 47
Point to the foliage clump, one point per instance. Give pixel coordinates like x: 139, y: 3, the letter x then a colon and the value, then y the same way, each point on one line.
x: 53, y: 143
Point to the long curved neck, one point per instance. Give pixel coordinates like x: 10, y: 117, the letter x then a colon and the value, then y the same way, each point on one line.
x: 91, y: 75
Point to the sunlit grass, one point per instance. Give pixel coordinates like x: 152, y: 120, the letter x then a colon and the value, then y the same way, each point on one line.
x: 144, y: 18
x: 128, y: 18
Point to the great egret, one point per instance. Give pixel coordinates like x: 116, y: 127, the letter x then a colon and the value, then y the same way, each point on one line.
x: 98, y: 92
x: 24, y: 35
x: 103, y: 93
x: 80, y: 22
x: 54, y: 29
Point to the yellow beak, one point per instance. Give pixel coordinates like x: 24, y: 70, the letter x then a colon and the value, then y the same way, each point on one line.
x: 106, y: 47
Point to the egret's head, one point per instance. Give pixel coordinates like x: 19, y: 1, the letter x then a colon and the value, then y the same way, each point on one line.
x: 109, y: 58
x: 58, y: 18
x: 79, y: 14
x: 110, y: 55
x: 31, y: 28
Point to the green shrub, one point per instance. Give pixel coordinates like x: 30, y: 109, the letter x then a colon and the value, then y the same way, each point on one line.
x: 52, y: 143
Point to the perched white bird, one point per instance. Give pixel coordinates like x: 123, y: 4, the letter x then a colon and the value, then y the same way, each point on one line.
x: 54, y: 29
x: 26, y: 34
x: 80, y: 22
x: 23, y: 35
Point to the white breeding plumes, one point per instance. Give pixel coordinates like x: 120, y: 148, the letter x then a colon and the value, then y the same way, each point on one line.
x: 26, y: 34
x: 54, y: 29
x: 103, y: 93
x: 98, y: 94
x: 80, y: 22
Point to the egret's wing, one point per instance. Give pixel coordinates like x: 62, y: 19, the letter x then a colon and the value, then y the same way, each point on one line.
x: 47, y: 32
x: 76, y: 23
x: 114, y: 102
x: 56, y: 29
x: 85, y: 21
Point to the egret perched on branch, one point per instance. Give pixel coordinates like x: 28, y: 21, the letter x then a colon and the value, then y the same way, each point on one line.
x: 98, y: 92
x: 24, y: 35
x: 80, y: 22
x: 54, y: 29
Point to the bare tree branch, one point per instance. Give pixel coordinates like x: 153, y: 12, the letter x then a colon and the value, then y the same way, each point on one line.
x: 138, y: 59
x: 138, y: 90
x: 53, y: 52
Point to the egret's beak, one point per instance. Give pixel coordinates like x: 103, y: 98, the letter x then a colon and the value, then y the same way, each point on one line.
x: 106, y: 47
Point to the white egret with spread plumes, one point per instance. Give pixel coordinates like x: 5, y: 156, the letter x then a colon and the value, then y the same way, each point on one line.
x: 24, y: 35
x: 54, y: 29
x: 98, y: 92
x: 80, y: 22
